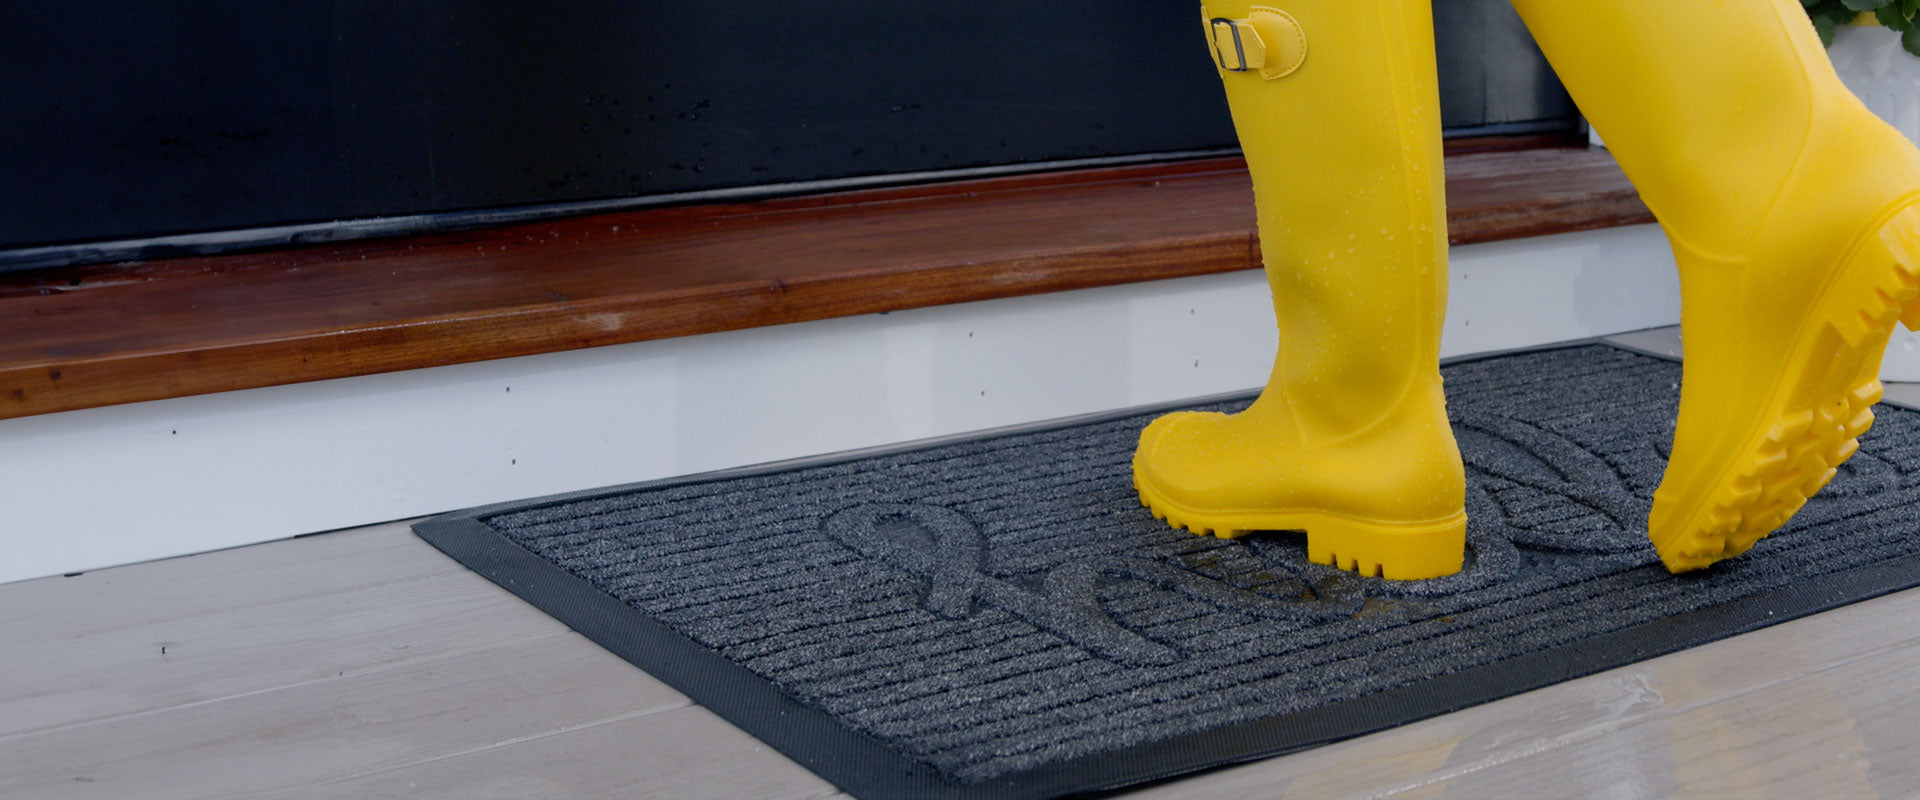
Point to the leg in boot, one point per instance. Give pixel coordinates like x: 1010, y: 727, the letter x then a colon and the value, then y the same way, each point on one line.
x: 1336, y: 106
x: 1792, y: 214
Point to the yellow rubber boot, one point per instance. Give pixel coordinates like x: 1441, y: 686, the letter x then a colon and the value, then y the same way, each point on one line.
x: 1791, y: 212
x: 1337, y: 109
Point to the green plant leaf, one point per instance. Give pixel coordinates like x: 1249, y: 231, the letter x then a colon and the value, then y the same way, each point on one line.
x: 1824, y: 26
x: 1901, y: 16
x: 1835, y: 12
x: 1910, y: 39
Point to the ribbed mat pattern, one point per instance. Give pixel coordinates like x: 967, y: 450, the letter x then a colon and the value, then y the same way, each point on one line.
x: 995, y: 604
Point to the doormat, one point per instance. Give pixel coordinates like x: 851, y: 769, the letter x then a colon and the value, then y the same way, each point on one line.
x: 996, y: 616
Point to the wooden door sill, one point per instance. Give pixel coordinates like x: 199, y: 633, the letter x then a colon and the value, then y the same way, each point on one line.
x: 83, y: 337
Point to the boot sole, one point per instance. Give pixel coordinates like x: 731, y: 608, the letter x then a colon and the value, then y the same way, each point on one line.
x: 1391, y: 550
x: 1827, y: 401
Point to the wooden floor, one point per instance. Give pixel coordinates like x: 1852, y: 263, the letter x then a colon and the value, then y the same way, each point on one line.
x: 365, y: 664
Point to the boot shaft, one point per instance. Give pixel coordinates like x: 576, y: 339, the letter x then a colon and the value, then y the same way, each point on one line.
x: 1345, y: 153
x: 1708, y: 106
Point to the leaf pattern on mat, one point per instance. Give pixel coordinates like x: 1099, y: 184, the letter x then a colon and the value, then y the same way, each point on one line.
x: 1558, y: 466
x: 942, y: 546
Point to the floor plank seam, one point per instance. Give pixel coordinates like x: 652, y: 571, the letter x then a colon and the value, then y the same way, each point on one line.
x: 455, y: 569
x: 442, y: 566
x: 341, y: 676
x: 343, y: 779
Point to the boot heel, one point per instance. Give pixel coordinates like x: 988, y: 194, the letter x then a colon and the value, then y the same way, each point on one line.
x: 1878, y: 283
x: 1900, y: 237
x: 1384, y: 550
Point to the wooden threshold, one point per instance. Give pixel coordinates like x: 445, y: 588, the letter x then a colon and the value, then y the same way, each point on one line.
x: 82, y: 337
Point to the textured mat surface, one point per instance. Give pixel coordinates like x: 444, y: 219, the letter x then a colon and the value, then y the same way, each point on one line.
x: 999, y: 616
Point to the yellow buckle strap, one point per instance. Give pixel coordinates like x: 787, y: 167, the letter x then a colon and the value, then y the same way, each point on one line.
x: 1268, y: 40
x: 1236, y: 45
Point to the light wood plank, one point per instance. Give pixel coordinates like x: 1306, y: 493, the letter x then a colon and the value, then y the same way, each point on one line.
x: 682, y: 754
x: 1904, y: 394
x: 256, y: 646
x: 136, y: 595
x: 1486, y: 736
x: 1848, y: 731
x: 1665, y: 341
x: 337, y: 728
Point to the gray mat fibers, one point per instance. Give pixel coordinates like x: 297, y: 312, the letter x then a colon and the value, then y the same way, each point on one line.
x: 993, y: 605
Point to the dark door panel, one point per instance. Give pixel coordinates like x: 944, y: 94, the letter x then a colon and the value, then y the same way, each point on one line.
x: 127, y: 120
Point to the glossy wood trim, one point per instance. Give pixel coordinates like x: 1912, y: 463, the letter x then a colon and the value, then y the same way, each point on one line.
x: 83, y: 337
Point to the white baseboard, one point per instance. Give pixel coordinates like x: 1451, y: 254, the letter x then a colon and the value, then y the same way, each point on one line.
x: 98, y: 487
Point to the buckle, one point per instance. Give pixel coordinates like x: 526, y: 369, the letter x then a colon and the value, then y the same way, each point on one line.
x: 1239, y: 48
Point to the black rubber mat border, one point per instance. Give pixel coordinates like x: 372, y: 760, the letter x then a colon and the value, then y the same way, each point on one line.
x: 866, y: 768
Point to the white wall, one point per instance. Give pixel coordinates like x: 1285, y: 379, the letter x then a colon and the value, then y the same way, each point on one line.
x: 98, y: 487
